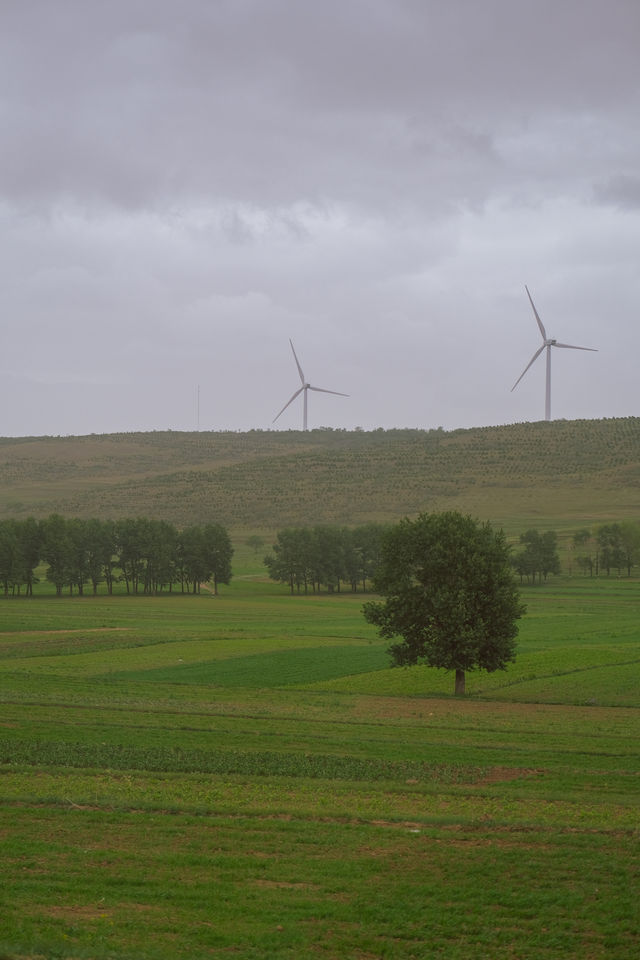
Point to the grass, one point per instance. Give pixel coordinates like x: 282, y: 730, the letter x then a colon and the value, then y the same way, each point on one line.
x: 245, y: 776
x: 350, y: 889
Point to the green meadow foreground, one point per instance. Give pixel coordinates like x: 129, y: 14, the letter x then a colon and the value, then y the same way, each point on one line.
x: 244, y: 776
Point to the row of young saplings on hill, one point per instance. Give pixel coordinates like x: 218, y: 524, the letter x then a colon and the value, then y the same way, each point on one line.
x: 148, y: 556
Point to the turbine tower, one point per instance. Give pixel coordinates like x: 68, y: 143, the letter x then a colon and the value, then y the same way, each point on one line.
x: 304, y: 389
x: 548, y: 342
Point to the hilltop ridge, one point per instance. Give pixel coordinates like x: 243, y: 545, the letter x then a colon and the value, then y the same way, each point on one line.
x: 567, y: 472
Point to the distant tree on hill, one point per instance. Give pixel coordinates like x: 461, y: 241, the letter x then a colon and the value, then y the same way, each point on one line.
x: 28, y: 552
x: 539, y: 557
x: 20, y: 550
x: 326, y: 557
x: 367, y: 540
x: 8, y: 552
x: 218, y: 554
x: 289, y: 561
x: 162, y: 545
x: 255, y: 542
x: 630, y: 541
x: 307, y: 558
x: 205, y: 554
x: 191, y: 564
x: 131, y: 548
x: 619, y: 546
x: 610, y: 547
x: 100, y: 547
x: 58, y: 551
x: 587, y: 559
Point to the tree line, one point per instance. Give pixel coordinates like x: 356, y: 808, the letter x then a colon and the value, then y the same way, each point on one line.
x: 538, y: 557
x: 308, y: 558
x: 612, y: 546
x: 148, y: 556
x: 609, y: 547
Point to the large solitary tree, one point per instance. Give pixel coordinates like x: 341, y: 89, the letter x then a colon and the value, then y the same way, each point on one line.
x: 450, y: 595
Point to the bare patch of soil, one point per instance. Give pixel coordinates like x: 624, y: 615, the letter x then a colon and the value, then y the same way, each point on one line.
x: 283, y: 885
x: 97, y: 911
x: 503, y: 774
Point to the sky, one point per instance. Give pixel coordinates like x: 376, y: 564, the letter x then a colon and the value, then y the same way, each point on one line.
x: 187, y: 185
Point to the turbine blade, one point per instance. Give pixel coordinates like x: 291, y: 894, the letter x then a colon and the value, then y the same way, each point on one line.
x: 570, y: 346
x: 297, y: 363
x: 296, y: 394
x: 540, y: 323
x: 335, y: 392
x: 532, y: 361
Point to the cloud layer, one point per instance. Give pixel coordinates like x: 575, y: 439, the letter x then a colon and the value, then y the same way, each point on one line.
x: 184, y: 187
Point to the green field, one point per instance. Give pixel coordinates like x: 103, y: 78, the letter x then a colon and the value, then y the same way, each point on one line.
x: 244, y: 776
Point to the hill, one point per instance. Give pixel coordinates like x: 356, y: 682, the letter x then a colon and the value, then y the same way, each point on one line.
x: 560, y: 473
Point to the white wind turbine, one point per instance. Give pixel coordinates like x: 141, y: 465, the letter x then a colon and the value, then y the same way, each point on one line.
x: 305, y: 388
x: 548, y: 342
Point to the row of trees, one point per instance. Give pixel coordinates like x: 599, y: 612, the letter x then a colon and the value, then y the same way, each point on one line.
x: 310, y: 557
x: 609, y: 547
x: 539, y: 556
x: 612, y: 546
x: 147, y: 555
x: 307, y: 558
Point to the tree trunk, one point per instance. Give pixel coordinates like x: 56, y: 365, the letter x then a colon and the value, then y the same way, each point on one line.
x: 459, y: 683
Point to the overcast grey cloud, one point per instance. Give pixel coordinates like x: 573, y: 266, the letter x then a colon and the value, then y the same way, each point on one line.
x: 184, y: 186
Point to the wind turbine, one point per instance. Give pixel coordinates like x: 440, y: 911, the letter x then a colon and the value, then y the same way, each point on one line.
x: 305, y: 388
x: 548, y: 342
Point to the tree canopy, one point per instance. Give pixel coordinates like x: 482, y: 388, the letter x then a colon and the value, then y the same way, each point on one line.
x: 150, y: 555
x: 306, y: 557
x: 539, y: 556
x: 450, y: 595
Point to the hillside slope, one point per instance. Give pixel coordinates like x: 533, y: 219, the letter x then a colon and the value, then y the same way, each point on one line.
x: 562, y: 473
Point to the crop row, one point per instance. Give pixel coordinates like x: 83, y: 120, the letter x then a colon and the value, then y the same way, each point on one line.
x: 172, y: 760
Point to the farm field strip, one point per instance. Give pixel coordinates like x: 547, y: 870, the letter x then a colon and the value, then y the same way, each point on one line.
x: 141, y: 658
x: 419, y: 739
x: 341, y: 882
x: 147, y: 884
x: 506, y: 795
x: 614, y: 684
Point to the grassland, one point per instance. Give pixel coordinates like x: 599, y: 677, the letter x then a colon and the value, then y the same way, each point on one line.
x: 562, y: 473
x: 245, y: 776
